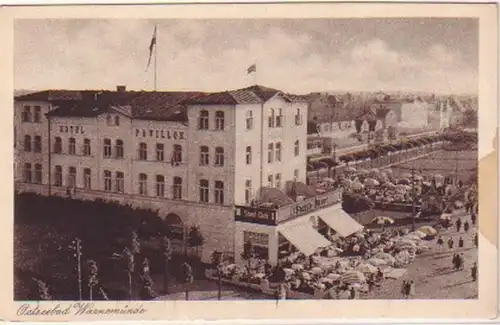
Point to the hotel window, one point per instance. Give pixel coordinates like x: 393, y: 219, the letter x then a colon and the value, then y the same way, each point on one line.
x: 26, y: 114
x: 107, y: 180
x: 108, y: 119
x: 219, y: 192
x: 72, y: 177
x: 204, y: 191
x: 249, y: 155
x: 143, y: 151
x: 260, y: 243
x: 27, y: 143
x: 270, y: 152
x: 143, y: 184
x: 86, y: 147
x: 177, y: 155
x: 219, y: 156
x: 278, y: 151
x: 203, y: 120
x: 204, y: 160
x: 160, y: 152
x: 37, y: 144
x: 270, y: 119
x: 27, y: 173
x: 119, y: 148
x: 120, y: 182
x: 107, y: 148
x: 270, y: 182
x: 117, y: 120
x: 160, y: 185
x: 38, y: 114
x: 58, y: 176
x: 278, y: 180
x: 38, y: 174
x: 71, y: 146
x: 296, y: 148
x: 87, y: 182
x: 219, y: 120
x: 279, y: 118
x: 298, y: 117
x: 248, y: 191
x: 295, y: 174
x: 249, y: 120
x: 58, y: 145
x: 177, y: 188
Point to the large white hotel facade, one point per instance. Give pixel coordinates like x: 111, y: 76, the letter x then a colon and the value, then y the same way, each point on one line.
x: 200, y: 159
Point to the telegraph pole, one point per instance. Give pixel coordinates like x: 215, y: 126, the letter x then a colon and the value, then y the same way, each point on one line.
x: 414, y: 198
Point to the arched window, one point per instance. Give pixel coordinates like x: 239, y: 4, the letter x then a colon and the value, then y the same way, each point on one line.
x: 107, y: 148
x: 143, y: 151
x: 160, y: 185
x: 270, y: 118
x: 204, y: 156
x: 87, y: 181
x: 27, y: 143
x: 107, y: 180
x: 219, y: 120
x: 248, y: 155
x: 249, y: 120
x: 27, y: 173
x: 177, y: 155
x: 204, y: 191
x: 71, y: 146
x: 279, y: 118
x: 38, y: 174
x: 120, y: 182
x: 219, y: 192
x: 119, y: 148
x: 248, y: 191
x: 58, y: 145
x: 296, y: 148
x: 203, y: 120
x: 278, y: 151
x: 270, y: 153
x: 86, y: 147
x: 298, y: 117
x: 72, y: 177
x: 177, y: 188
x: 143, y: 184
x: 219, y: 156
x: 58, y: 176
x: 37, y: 144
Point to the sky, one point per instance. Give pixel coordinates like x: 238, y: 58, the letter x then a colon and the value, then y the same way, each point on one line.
x: 437, y: 55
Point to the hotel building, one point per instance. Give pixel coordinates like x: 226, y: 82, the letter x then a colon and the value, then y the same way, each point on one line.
x: 232, y: 163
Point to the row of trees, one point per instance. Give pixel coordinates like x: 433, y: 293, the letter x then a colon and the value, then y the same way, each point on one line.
x: 131, y: 257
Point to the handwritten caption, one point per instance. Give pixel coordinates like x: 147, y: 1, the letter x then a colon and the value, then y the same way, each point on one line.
x: 79, y: 309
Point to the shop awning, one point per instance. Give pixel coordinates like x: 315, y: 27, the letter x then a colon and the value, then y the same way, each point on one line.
x: 305, y: 238
x: 341, y: 222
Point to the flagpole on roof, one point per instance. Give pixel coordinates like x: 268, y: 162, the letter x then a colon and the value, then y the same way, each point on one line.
x: 152, y: 51
x: 156, y: 47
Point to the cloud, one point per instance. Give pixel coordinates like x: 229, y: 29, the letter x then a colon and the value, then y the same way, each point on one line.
x: 193, y: 55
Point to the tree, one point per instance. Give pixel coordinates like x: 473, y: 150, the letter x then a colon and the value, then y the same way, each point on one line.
x: 359, y: 124
x: 470, y: 118
x: 43, y: 290
x: 130, y: 260
x: 93, y: 280
x: 195, y: 239
x: 248, y: 252
x: 167, y: 256
x: 217, y: 259
x: 135, y: 244
x: 187, y: 277
x: 147, y: 284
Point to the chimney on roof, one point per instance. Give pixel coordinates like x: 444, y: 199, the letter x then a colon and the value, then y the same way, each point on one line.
x: 121, y: 88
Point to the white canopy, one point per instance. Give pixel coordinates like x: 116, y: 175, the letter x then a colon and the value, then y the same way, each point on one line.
x: 341, y: 222
x: 304, y: 237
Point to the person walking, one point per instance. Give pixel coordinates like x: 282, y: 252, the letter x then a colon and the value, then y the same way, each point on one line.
x: 473, y: 218
x: 352, y: 294
x: 454, y: 262
x: 461, y: 262
x: 466, y: 226
x: 440, y: 243
x: 450, y: 243
x: 403, y: 289
x: 473, y: 272
x: 460, y: 242
x: 459, y: 224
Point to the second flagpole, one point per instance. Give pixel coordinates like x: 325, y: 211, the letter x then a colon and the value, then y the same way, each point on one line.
x: 156, y: 47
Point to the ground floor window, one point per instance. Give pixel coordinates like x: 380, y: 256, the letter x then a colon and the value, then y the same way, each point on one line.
x: 260, y: 243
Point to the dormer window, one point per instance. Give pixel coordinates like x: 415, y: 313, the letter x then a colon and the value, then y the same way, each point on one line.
x: 117, y: 120
x: 203, y: 120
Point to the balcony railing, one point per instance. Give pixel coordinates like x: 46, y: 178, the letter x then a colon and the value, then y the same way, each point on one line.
x: 275, y: 216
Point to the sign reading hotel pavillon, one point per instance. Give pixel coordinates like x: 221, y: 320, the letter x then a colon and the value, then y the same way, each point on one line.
x: 160, y: 134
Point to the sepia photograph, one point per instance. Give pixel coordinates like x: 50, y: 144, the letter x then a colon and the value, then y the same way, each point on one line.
x: 266, y: 159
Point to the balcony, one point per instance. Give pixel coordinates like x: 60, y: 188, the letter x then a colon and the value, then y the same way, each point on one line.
x: 272, y: 215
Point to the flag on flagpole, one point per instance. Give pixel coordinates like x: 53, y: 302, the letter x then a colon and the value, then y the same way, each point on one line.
x: 151, y: 47
x: 252, y: 68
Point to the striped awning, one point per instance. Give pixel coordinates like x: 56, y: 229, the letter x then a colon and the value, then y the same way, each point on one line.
x: 304, y: 237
